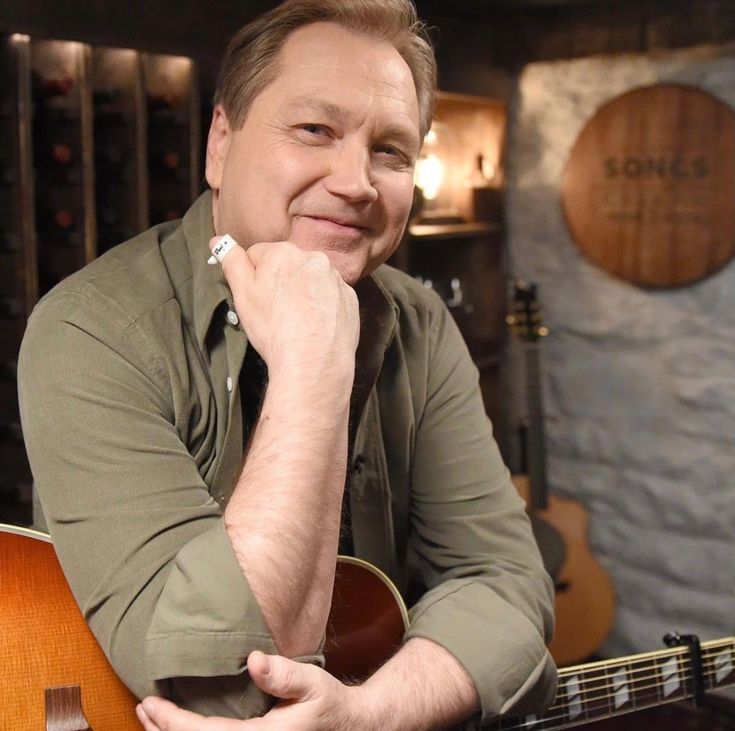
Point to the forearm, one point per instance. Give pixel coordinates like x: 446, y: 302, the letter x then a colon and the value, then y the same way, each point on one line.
x: 284, y: 515
x: 421, y: 687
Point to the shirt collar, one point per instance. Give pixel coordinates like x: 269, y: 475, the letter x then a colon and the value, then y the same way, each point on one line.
x: 209, y: 286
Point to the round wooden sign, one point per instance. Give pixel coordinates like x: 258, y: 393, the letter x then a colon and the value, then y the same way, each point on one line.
x: 649, y: 187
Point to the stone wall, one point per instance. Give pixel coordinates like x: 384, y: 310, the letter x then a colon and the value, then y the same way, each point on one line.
x: 639, y: 385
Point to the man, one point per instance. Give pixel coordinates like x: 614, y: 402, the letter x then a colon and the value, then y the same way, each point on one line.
x: 197, y: 503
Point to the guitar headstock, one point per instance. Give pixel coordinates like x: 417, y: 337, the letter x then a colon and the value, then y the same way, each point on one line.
x: 525, y: 316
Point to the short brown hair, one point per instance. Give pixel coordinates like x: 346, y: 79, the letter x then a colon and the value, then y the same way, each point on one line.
x: 250, y: 60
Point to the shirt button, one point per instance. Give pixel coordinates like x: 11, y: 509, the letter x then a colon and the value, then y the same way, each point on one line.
x: 232, y: 317
x: 359, y: 464
x: 229, y: 383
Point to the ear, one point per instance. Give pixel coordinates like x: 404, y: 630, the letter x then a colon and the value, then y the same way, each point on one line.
x: 218, y: 143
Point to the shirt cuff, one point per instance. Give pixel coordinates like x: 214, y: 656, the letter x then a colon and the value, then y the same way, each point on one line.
x: 499, y: 647
x: 207, y: 619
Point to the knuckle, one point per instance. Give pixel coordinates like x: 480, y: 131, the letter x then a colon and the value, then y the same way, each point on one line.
x: 318, y: 259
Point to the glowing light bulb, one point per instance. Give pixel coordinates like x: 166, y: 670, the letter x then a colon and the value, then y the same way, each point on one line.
x: 429, y: 175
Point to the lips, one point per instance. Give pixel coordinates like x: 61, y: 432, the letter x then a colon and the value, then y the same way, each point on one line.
x: 346, y: 223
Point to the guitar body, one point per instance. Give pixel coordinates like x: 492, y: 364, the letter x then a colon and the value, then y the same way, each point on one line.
x: 585, y: 600
x: 45, y: 642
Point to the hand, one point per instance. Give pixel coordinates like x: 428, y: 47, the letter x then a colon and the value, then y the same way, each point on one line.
x: 295, y: 307
x: 311, y: 700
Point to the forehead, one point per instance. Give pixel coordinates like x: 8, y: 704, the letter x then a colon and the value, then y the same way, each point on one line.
x: 327, y: 62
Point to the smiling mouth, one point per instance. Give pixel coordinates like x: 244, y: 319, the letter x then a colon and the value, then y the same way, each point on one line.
x: 338, y: 223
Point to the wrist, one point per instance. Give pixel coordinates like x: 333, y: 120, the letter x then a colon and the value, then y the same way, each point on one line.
x: 367, y: 711
x: 321, y: 378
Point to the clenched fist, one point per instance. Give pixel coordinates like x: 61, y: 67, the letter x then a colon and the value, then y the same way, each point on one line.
x: 294, y: 306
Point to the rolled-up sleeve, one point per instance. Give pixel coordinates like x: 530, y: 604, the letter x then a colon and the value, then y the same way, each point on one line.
x: 490, y: 600
x: 139, y: 537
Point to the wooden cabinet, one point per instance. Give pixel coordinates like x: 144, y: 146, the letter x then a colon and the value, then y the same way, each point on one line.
x: 455, y: 243
x: 464, y: 264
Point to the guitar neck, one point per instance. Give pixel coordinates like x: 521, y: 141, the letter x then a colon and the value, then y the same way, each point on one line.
x: 608, y: 688
x: 535, y: 443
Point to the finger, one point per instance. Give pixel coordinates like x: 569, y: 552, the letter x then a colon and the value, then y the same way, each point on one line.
x: 283, y: 678
x: 219, y: 247
x: 146, y: 722
x: 236, y: 263
x: 166, y: 716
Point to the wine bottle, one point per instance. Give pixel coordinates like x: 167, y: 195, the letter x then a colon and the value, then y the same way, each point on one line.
x: 110, y: 164
x: 167, y: 166
x: 106, y: 96
x: 49, y: 88
x: 167, y: 108
x: 7, y: 176
x: 54, y: 98
x: 9, y: 370
x: 61, y: 154
x: 108, y: 106
x: 11, y: 431
x: 164, y: 100
x: 58, y: 227
x: 10, y: 307
x: 168, y: 214
x: 55, y: 164
x: 9, y: 243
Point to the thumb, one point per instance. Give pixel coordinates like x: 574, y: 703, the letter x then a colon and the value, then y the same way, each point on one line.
x: 280, y: 677
x: 158, y: 714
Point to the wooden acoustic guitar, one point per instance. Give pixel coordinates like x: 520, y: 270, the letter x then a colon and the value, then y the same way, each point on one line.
x: 46, y: 646
x: 585, y: 600
x: 48, y: 655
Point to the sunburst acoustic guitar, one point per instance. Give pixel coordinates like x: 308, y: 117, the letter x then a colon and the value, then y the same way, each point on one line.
x: 585, y: 599
x: 55, y: 676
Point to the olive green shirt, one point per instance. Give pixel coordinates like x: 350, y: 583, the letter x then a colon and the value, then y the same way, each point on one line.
x: 128, y: 382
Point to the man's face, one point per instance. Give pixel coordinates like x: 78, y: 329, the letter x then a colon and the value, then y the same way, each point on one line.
x: 325, y: 157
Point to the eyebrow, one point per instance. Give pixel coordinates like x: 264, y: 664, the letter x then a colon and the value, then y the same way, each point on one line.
x: 335, y: 111
x: 321, y: 106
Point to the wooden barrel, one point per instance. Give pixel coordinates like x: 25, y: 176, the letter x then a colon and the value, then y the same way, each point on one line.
x: 648, y: 191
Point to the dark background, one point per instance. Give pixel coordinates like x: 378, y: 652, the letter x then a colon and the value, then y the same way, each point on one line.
x: 481, y: 44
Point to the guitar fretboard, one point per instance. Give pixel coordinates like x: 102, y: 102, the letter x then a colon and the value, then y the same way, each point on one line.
x: 610, y: 688
x: 535, y: 441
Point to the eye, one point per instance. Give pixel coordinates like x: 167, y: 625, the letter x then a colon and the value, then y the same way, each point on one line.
x: 389, y: 150
x: 314, y: 129
x: 393, y: 156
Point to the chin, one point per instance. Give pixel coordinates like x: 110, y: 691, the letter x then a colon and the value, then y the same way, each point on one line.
x: 351, y: 271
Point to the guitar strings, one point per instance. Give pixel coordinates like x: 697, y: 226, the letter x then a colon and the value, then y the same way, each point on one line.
x: 634, y: 674
x: 648, y: 700
x: 709, y: 656
x: 635, y: 680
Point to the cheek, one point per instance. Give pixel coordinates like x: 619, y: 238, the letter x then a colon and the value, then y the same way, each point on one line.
x: 399, y: 198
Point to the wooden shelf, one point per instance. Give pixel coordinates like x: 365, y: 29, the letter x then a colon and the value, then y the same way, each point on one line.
x: 451, y: 230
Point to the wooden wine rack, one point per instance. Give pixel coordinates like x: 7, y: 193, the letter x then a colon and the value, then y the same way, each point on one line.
x: 100, y: 143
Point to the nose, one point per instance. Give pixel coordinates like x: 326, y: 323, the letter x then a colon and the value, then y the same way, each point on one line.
x: 350, y: 175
